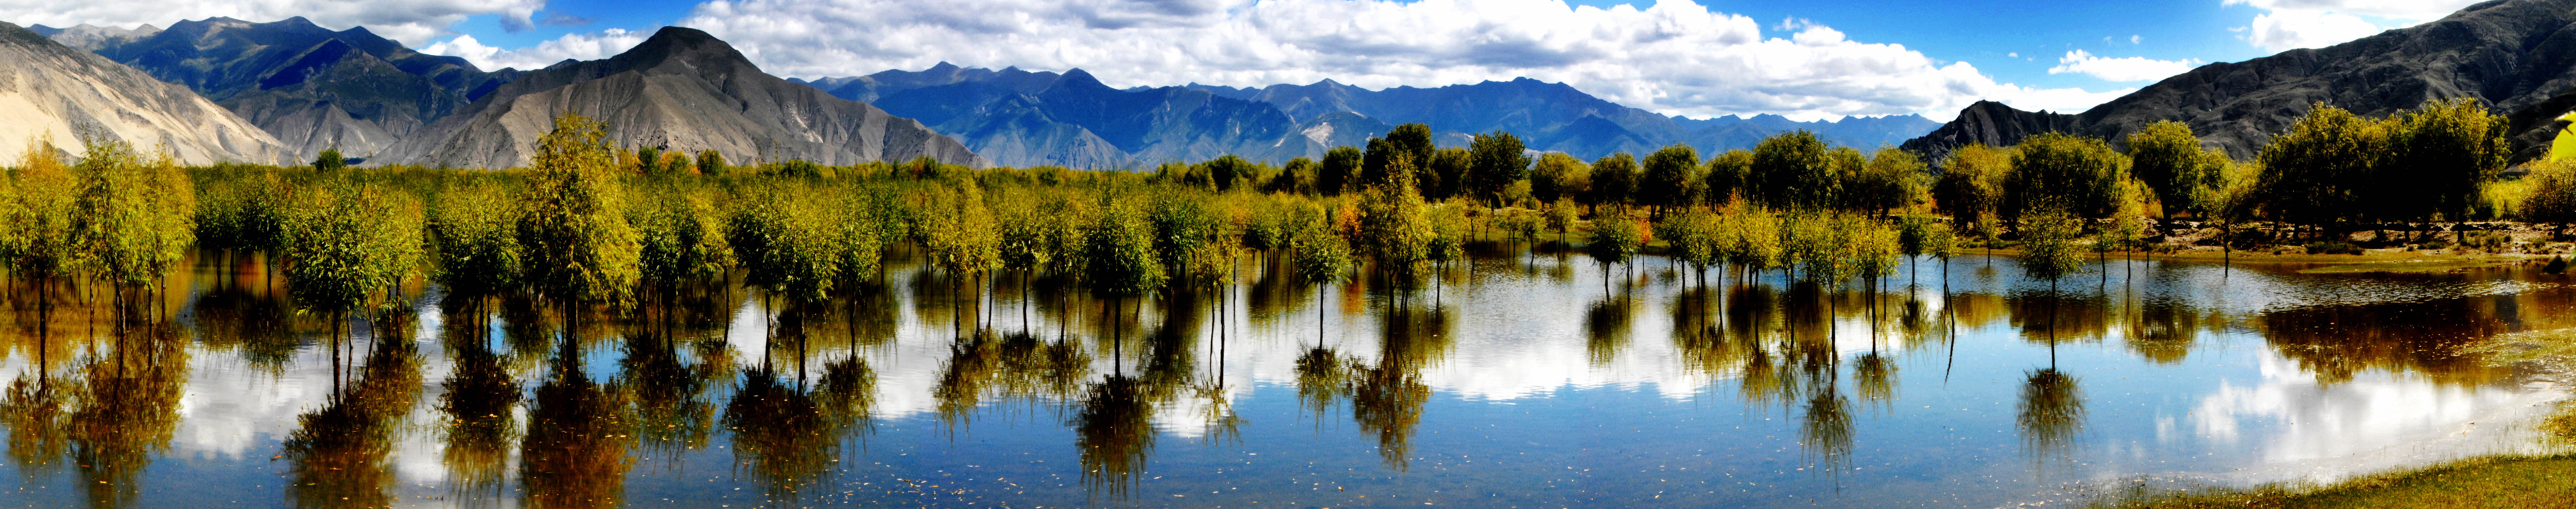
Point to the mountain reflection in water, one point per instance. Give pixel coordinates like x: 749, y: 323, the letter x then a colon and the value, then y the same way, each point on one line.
x: 1519, y: 377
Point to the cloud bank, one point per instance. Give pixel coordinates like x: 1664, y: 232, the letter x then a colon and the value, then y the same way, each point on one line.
x: 2123, y: 69
x: 1675, y: 57
x: 410, y: 21
x: 2292, y: 24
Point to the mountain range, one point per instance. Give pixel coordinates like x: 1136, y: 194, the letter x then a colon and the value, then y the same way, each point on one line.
x: 680, y: 89
x: 1024, y: 118
x: 49, y: 90
x: 225, y: 89
x: 2518, y: 56
x: 312, y: 88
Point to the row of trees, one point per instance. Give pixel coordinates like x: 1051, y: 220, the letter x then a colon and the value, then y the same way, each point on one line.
x: 588, y: 224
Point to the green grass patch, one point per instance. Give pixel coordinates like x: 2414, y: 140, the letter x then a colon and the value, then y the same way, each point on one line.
x: 2497, y: 482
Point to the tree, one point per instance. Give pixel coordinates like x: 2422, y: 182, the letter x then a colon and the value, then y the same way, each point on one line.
x: 1296, y: 177
x: 2444, y: 153
x: 1791, y: 172
x: 1321, y: 258
x: 711, y: 163
x: 1892, y: 179
x: 1725, y: 178
x: 2311, y: 174
x: 1448, y: 175
x: 1971, y: 182
x: 2049, y: 251
x: 1499, y: 159
x: 678, y: 163
x: 329, y: 161
x: 2077, y: 175
x: 1670, y: 177
x: 1614, y: 180
x: 472, y: 230
x: 351, y: 244
x: 1413, y: 142
x: 1335, y: 176
x: 572, y: 225
x: 1559, y: 175
x: 1230, y: 171
x: 2553, y: 193
x: 121, y: 221
x: 1561, y: 218
x: 2167, y: 157
x: 1392, y: 228
x: 1615, y: 238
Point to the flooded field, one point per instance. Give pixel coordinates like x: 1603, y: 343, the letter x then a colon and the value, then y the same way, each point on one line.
x: 1516, y: 379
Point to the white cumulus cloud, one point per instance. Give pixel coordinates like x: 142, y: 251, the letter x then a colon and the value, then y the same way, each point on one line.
x: 1674, y: 57
x: 2291, y: 24
x: 409, y: 21
x: 2123, y: 69
x: 589, y: 46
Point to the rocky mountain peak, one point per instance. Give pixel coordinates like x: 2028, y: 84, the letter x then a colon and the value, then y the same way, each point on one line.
x: 688, y: 46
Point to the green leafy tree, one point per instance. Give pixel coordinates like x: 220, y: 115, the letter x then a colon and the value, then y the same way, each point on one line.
x: 572, y: 224
x: 1757, y: 238
x: 1448, y: 173
x: 2443, y: 155
x: 351, y: 243
x: 121, y: 218
x: 1296, y: 177
x: 472, y: 230
x: 1558, y: 175
x: 1726, y: 176
x: 39, y: 243
x: 2167, y: 157
x: 1791, y: 172
x: 2553, y: 193
x: 2312, y: 174
x: 2049, y: 248
x: 1321, y: 258
x: 1393, y: 231
x: 1614, y: 239
x: 1561, y: 218
x: 1614, y: 180
x: 330, y: 161
x: 1339, y: 171
x: 1670, y: 177
x: 1971, y: 182
x: 1499, y: 159
x: 1892, y: 180
x: 2049, y: 251
x: 711, y: 163
x: 2081, y: 176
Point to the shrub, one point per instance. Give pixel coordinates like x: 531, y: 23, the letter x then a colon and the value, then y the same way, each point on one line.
x: 2333, y: 248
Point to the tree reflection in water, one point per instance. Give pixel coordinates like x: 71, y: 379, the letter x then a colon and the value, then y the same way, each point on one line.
x: 478, y: 404
x: 1013, y: 366
x: 34, y: 411
x: 1113, y: 429
x: 579, y: 432
x: 2050, y: 414
x: 338, y: 454
x: 786, y: 436
x: 127, y: 408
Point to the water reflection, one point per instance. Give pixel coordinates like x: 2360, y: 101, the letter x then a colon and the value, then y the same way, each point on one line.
x: 338, y: 457
x: 579, y: 431
x: 1484, y: 367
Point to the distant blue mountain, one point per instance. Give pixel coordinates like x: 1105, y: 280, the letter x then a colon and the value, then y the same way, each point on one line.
x: 1021, y: 118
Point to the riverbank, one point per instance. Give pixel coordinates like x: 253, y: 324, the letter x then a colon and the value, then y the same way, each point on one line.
x: 2500, y: 482
x: 2514, y: 481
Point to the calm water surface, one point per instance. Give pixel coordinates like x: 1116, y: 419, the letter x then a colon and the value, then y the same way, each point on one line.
x: 1518, y: 380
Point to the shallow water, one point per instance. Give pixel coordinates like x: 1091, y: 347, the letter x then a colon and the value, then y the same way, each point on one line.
x: 1522, y: 380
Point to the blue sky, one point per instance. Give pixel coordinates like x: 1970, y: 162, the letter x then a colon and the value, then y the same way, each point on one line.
x: 1817, y: 59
